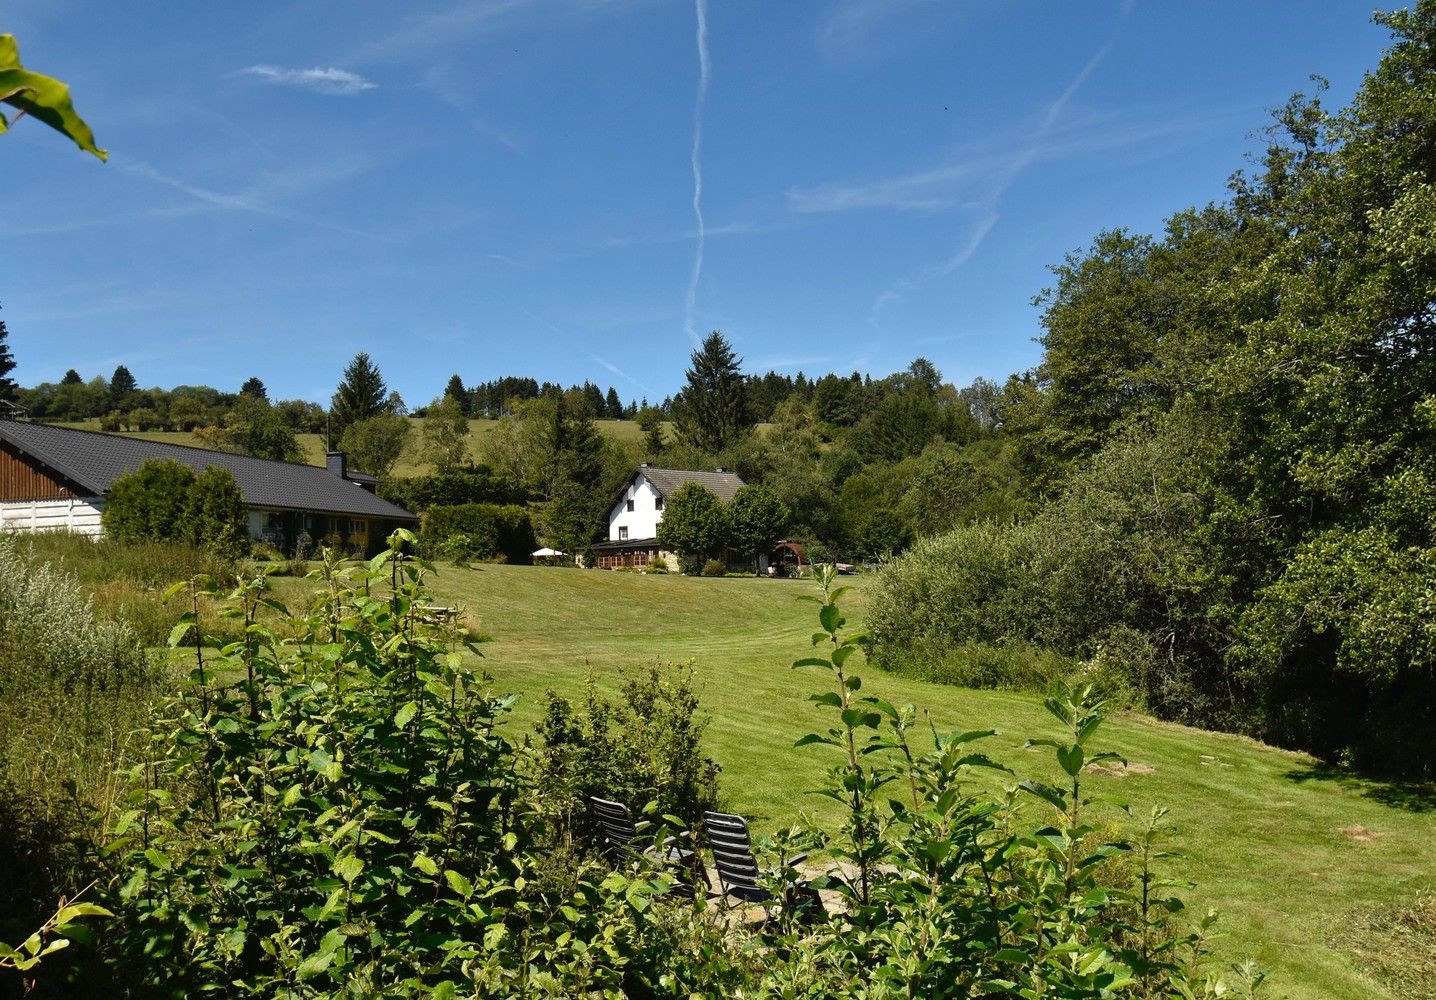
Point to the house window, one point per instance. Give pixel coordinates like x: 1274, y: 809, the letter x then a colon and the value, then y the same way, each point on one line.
x: 356, y: 527
x: 623, y: 532
x: 630, y: 505
x: 657, y: 503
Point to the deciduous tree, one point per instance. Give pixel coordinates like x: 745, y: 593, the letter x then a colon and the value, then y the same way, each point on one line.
x: 695, y: 525
x: 375, y: 444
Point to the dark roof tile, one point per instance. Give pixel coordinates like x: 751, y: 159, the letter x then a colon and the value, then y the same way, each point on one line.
x: 95, y: 460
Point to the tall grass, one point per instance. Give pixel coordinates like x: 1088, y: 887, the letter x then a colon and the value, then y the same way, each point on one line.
x: 127, y: 579
x: 75, y: 690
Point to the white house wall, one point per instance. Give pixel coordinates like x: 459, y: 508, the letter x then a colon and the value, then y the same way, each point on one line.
x: 642, y: 520
x: 77, y: 514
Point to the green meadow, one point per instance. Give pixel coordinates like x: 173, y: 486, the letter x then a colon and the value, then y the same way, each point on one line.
x: 1307, y: 867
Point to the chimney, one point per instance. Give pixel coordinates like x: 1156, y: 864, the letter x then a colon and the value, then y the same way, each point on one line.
x: 337, y: 464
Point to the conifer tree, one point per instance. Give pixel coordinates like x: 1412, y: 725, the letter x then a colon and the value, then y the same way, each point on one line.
x: 254, y: 389
x: 712, y: 410
x: 122, y: 383
x: 72, y: 377
x: 455, y: 390
x: 361, y: 394
x: 8, y: 387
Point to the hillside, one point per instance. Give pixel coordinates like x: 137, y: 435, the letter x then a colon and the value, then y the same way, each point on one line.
x: 409, y: 464
x: 1292, y: 855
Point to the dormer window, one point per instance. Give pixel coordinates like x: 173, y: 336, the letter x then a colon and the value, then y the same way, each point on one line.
x: 630, y: 505
x: 657, y: 503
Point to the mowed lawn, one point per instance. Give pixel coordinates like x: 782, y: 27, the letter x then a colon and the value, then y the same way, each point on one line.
x: 1291, y: 855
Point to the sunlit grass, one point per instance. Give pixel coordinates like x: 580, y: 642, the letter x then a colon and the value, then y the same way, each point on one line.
x: 1273, y: 841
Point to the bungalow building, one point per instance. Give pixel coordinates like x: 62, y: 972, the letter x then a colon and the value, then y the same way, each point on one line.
x: 634, y: 515
x: 57, y: 478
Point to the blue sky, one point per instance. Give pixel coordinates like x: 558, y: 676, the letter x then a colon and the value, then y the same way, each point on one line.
x: 573, y: 189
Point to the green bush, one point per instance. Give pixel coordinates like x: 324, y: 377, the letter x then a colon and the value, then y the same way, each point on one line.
x: 1010, y: 666
x: 479, y: 531
x: 461, y: 486
x: 715, y: 567
x: 215, y: 517
x: 148, y: 504
x: 643, y: 749
x: 164, y: 501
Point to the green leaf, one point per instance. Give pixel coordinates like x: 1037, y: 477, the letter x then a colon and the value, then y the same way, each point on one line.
x: 1071, y: 759
x: 1045, y: 792
x: 459, y: 883
x: 812, y: 661
x: 425, y: 864
x: 314, y: 965
x: 830, y: 618
x: 405, y: 715
x: 178, y: 633
x: 348, y: 867
x: 826, y: 698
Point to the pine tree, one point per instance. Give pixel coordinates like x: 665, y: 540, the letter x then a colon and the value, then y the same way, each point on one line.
x: 712, y: 410
x: 362, y: 394
x: 613, y: 405
x: 122, y: 383
x: 72, y: 377
x: 455, y: 390
x: 254, y: 389
x: 8, y: 388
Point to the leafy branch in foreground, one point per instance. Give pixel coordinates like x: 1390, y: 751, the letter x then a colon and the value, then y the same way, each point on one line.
x: 53, y: 935
x: 41, y: 97
x: 949, y: 892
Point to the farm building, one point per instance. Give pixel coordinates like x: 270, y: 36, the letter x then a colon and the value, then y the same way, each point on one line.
x: 635, y: 512
x: 57, y: 478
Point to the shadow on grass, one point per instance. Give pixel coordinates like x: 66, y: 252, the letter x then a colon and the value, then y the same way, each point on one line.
x: 1410, y: 796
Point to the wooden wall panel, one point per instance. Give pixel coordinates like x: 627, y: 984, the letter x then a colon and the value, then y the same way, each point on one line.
x: 23, y: 478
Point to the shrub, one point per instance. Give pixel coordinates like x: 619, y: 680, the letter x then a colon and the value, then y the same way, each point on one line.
x: 148, y: 503
x: 715, y: 567
x: 165, y: 501
x: 461, y: 486
x: 646, y: 748
x: 479, y: 531
x: 376, y: 808
x: 1011, y: 666
x: 215, y: 517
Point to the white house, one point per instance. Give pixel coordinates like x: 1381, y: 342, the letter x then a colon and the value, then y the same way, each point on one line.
x: 634, y: 515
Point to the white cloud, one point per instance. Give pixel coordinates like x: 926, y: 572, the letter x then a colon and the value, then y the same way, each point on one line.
x: 337, y: 82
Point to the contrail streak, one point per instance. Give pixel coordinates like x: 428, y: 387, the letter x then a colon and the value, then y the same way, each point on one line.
x: 701, y: 8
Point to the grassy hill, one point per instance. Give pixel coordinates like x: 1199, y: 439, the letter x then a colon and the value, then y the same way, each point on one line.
x: 1302, y: 863
x: 312, y: 445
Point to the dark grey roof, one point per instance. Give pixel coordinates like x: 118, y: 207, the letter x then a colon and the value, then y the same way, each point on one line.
x: 93, y: 461
x: 667, y: 481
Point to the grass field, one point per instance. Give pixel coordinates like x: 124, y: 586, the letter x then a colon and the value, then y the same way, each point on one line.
x: 312, y: 445
x: 1292, y: 855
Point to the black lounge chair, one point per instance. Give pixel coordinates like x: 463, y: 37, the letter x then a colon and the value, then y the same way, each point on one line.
x: 620, y: 840
x: 738, y: 869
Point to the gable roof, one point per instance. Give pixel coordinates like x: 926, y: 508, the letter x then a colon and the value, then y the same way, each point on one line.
x: 667, y: 481
x: 93, y: 461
